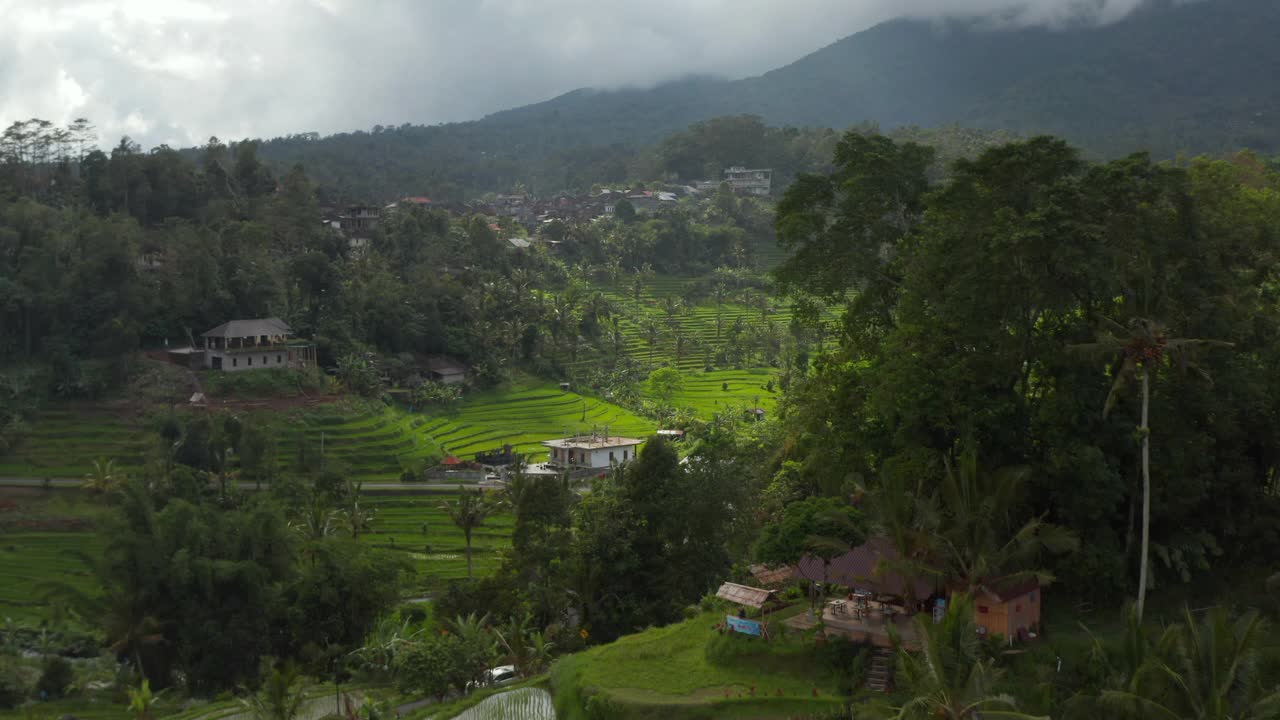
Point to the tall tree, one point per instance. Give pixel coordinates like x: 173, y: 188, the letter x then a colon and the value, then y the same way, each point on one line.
x: 468, y: 512
x: 1139, y: 350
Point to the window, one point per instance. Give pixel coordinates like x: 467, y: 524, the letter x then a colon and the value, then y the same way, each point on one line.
x: 279, y: 359
x: 250, y: 361
x: 624, y: 454
x: 982, y: 609
x: 610, y: 456
x: 235, y: 362
x: 264, y: 359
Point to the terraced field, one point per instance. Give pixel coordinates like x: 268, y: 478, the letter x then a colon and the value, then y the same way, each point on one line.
x: 705, y: 391
x: 525, y: 415
x: 417, y: 527
x: 697, y: 323
x: 28, y: 559
x: 64, y: 443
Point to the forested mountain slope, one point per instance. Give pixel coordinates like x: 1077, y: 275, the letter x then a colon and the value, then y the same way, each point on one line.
x: 1170, y: 78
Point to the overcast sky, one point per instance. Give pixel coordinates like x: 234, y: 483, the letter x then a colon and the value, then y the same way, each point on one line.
x: 179, y: 71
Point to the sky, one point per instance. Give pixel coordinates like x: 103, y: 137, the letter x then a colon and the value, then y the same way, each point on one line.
x: 180, y: 71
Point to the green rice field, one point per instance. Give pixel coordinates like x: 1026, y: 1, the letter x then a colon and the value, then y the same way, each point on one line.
x: 705, y: 392
x: 28, y: 559
x: 438, y: 554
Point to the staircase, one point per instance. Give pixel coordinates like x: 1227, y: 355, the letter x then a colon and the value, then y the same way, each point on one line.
x: 880, y: 674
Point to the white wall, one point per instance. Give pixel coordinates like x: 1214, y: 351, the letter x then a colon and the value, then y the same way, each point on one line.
x: 261, y: 360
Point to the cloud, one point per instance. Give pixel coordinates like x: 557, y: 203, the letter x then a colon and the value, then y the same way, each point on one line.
x: 179, y: 71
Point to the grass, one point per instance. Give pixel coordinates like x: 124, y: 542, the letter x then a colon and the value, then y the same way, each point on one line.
x: 439, y: 555
x: 666, y: 672
x: 65, y: 442
x: 706, y: 393
x: 38, y: 531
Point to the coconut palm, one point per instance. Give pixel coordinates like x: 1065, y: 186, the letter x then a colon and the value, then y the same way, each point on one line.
x: 468, y: 512
x: 355, y: 517
x: 1202, y: 670
x: 281, y: 698
x: 975, y: 536
x: 1135, y: 351
x: 317, y: 519
x: 948, y: 678
x: 105, y: 477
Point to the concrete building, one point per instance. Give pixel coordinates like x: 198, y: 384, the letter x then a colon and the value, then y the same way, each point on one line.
x: 749, y: 181
x: 259, y: 344
x: 593, y: 452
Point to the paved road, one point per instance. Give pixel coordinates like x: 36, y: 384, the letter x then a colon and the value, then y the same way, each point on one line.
x: 369, y: 487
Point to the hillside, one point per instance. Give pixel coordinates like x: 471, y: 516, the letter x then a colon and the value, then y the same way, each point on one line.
x: 1170, y: 78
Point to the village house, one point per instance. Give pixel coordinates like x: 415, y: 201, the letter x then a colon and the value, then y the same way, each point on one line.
x: 1010, y: 610
x: 593, y: 452
x: 258, y: 344
x: 876, y: 596
x: 446, y: 371
x: 359, y: 220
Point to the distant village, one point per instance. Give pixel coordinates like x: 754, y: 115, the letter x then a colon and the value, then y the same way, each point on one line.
x: 357, y: 222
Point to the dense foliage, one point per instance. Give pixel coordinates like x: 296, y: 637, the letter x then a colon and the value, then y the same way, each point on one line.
x: 968, y: 305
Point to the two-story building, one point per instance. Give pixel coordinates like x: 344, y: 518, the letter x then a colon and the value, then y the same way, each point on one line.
x: 257, y: 344
x: 749, y: 181
x: 591, y: 452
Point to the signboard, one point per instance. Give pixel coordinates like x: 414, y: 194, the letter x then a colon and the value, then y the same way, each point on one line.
x: 744, y: 626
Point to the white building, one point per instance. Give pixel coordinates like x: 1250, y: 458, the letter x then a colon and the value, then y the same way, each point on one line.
x: 259, y: 344
x: 591, y: 451
x: 752, y: 181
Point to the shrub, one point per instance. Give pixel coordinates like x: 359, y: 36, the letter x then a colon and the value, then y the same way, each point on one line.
x: 55, y: 676
x: 13, y: 688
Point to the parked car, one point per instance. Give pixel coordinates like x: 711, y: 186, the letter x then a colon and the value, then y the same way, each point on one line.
x: 501, y: 676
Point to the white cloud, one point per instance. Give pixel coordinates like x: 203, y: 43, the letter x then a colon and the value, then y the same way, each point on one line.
x: 178, y: 71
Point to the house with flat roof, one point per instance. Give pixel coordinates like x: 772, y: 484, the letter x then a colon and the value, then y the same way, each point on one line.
x: 591, y: 452
x: 257, y: 344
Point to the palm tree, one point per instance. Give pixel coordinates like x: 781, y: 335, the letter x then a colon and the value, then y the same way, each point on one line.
x: 652, y: 332
x: 121, y: 610
x: 281, y: 698
x: 468, y: 512
x: 1201, y: 671
x: 538, y: 650
x: 356, y: 518
x: 719, y: 291
x: 318, y: 520
x: 1137, y: 349
x: 104, y: 479
x: 974, y: 536
x: 478, y: 643
x: 948, y: 678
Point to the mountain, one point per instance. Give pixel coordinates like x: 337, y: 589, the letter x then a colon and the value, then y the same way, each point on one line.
x: 1172, y: 77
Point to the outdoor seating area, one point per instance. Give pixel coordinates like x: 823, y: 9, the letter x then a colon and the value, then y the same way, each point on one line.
x: 862, y: 619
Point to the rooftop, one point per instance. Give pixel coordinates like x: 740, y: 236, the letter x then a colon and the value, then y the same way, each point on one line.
x: 866, y: 566
x: 592, y: 442
x: 250, y: 328
x: 445, y: 366
x: 744, y: 595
